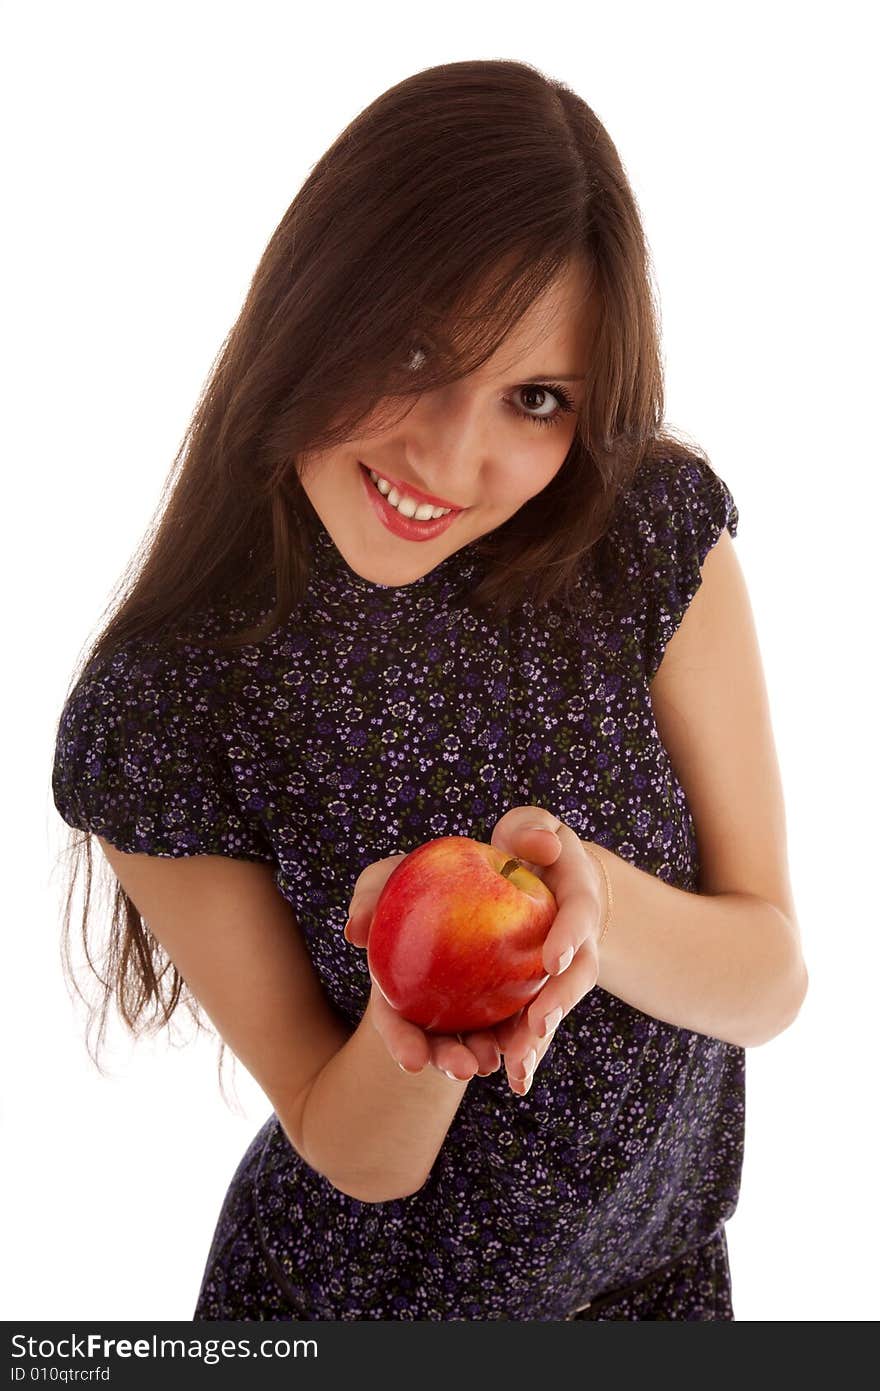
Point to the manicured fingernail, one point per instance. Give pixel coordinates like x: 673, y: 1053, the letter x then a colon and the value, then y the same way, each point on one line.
x: 529, y: 1062
x: 564, y: 960
x: 551, y: 1020
x: 527, y: 1085
x: 345, y: 930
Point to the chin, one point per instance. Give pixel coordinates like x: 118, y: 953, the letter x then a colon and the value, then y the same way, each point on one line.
x: 360, y: 556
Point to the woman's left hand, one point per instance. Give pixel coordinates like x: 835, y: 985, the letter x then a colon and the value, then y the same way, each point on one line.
x: 553, y: 851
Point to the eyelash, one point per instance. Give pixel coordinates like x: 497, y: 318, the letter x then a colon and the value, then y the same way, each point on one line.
x: 566, y: 404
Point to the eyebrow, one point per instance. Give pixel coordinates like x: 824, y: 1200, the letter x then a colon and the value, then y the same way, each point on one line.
x: 562, y: 376
x: 439, y: 337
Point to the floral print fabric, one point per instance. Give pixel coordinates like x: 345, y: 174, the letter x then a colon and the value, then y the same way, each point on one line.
x: 379, y: 717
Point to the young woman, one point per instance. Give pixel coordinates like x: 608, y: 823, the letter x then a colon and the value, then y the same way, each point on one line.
x: 431, y: 565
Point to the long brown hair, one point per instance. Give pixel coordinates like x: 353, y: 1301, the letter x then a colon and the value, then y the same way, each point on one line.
x: 439, y: 214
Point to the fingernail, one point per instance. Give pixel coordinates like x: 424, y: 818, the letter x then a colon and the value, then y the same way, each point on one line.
x: 550, y: 1021
x: 529, y: 1062
x: 413, y: 1071
x: 452, y: 1077
x: 526, y: 1087
x: 345, y: 930
x: 564, y: 960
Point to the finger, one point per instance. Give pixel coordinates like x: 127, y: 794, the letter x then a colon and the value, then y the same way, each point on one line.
x: 551, y: 1005
x: 505, y: 1030
x: 454, y: 1058
x: 407, y: 1043
x: 485, y: 1049
x: 577, y: 885
x: 357, y: 929
x: 523, y: 1058
x: 368, y: 886
x: 529, y: 833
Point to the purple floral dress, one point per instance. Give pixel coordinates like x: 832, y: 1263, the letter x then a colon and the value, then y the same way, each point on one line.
x: 379, y: 717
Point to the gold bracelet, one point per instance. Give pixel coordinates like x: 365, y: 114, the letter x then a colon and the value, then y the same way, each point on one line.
x: 597, y: 858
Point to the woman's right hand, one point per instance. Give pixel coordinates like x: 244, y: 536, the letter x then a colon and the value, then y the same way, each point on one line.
x: 460, y: 1056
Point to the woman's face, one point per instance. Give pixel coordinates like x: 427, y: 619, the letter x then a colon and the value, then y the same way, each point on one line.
x: 481, y: 446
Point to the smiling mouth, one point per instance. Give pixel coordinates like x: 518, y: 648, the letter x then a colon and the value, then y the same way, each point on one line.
x: 408, y: 506
x: 419, y: 526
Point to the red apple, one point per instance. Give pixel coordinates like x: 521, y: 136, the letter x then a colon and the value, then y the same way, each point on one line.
x: 455, y: 940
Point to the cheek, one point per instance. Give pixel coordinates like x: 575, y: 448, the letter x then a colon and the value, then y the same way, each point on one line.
x: 532, y: 468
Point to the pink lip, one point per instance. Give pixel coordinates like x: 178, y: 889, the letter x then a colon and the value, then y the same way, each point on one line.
x: 405, y: 527
x: 417, y: 492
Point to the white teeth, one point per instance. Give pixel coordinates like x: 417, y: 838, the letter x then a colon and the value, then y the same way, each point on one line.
x: 425, y: 512
x: 407, y: 506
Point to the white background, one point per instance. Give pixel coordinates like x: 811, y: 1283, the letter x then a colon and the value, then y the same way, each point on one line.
x: 149, y: 152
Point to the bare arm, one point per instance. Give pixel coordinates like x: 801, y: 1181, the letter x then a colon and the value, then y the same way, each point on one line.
x: 392, y: 1123
x: 724, y: 964
x: 725, y: 961
x: 371, y: 1129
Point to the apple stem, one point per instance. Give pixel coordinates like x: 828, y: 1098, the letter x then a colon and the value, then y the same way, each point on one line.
x: 508, y: 869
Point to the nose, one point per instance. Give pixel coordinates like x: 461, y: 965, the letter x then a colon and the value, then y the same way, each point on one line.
x: 444, y: 444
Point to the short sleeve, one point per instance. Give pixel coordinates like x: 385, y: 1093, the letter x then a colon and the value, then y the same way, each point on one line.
x: 677, y: 512
x: 138, y: 761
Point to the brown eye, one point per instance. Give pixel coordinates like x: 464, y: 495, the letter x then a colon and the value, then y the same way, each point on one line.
x: 549, y: 392
x: 547, y: 400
